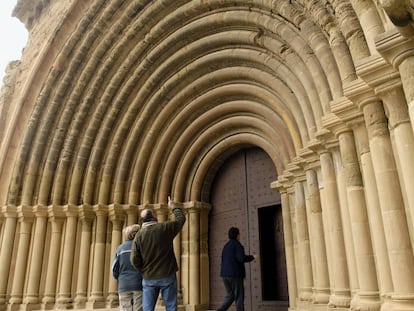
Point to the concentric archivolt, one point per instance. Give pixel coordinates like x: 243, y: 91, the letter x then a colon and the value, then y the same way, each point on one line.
x: 148, y: 97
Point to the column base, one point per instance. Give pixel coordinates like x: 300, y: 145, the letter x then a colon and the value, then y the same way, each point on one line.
x: 64, y: 303
x: 29, y: 306
x: 95, y: 303
x: 339, y: 299
x: 321, y: 296
x: 402, y: 302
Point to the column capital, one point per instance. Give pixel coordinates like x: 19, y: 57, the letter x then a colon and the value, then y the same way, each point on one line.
x: 116, y: 212
x: 196, y: 206
x: 295, y: 167
x: 334, y: 124
x: 56, y: 212
x: 9, y: 211
x: 100, y: 209
x: 325, y: 141
x: 25, y: 213
x: 71, y: 210
x: 310, y: 159
x: 360, y: 93
x: 129, y: 207
x: 347, y: 111
x: 40, y: 210
x: 394, y: 47
x: 86, y: 213
x: 375, y: 71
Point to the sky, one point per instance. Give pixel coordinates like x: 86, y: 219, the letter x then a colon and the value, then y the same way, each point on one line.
x: 13, y: 36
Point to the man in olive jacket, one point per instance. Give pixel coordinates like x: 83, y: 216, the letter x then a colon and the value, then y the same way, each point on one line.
x: 153, y: 255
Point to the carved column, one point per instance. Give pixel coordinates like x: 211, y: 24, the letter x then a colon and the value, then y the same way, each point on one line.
x: 204, y: 259
x: 117, y: 218
x: 86, y: 217
x: 132, y: 214
x: 194, y: 254
x: 374, y: 212
x: 340, y: 296
x: 399, y: 51
x: 402, y: 139
x: 56, y: 217
x: 64, y: 297
x: 184, y: 252
x: 289, y: 249
x: 304, y: 260
x: 392, y: 206
x: 296, y: 257
x: 26, y: 217
x: 367, y: 278
x: 10, y: 223
x: 36, y: 260
x: 319, y: 260
x: 406, y: 68
x: 96, y: 298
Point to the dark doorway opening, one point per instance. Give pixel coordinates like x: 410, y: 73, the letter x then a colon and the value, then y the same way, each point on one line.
x: 272, y: 254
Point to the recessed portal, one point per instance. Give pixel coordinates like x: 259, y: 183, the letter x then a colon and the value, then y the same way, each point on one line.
x: 272, y: 254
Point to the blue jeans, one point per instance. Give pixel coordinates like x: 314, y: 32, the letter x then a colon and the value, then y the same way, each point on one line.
x: 234, y: 292
x: 152, y: 288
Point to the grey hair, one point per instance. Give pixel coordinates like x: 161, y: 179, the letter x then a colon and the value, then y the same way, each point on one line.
x: 131, y: 231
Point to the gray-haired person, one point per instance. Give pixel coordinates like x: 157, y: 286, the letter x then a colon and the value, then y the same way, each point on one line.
x: 129, y: 279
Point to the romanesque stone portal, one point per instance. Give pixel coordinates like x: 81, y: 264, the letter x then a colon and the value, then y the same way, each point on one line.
x: 117, y: 104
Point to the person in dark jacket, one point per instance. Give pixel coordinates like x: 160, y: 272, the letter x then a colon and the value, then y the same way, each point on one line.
x: 153, y: 255
x: 129, y: 279
x: 233, y: 271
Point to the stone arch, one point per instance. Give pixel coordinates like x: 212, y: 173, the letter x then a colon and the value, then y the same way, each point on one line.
x: 117, y: 104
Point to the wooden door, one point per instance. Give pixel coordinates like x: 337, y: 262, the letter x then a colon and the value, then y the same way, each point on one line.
x: 241, y: 197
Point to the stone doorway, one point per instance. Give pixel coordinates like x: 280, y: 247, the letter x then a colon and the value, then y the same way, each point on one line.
x: 241, y: 196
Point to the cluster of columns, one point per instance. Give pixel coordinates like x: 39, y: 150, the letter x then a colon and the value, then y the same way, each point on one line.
x: 59, y: 257
x: 347, y: 201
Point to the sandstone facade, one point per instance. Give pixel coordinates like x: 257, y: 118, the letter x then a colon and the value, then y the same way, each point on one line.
x: 117, y: 104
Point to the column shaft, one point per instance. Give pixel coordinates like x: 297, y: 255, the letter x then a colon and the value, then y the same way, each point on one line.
x: 6, y: 249
x: 319, y: 260
x: 64, y: 299
x: 21, y: 258
x: 184, y: 261
x: 290, y: 257
x: 84, y: 257
x: 382, y: 262
x: 406, y: 69
x: 96, y: 299
x: 304, y: 258
x: 340, y: 288
x: 391, y: 203
x: 402, y: 139
x: 365, y: 263
x: 53, y: 263
x: 204, y: 259
x: 194, y: 249
x: 36, y: 260
x: 117, y: 223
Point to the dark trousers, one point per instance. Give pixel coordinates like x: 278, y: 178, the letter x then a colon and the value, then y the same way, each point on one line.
x: 235, y: 292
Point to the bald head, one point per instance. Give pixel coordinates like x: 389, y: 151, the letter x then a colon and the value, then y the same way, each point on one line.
x: 148, y: 215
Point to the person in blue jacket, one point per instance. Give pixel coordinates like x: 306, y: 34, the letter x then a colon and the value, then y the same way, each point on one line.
x: 233, y: 271
x: 129, y: 279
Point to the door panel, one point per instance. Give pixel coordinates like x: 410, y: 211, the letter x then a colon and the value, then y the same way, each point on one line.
x: 240, y: 189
